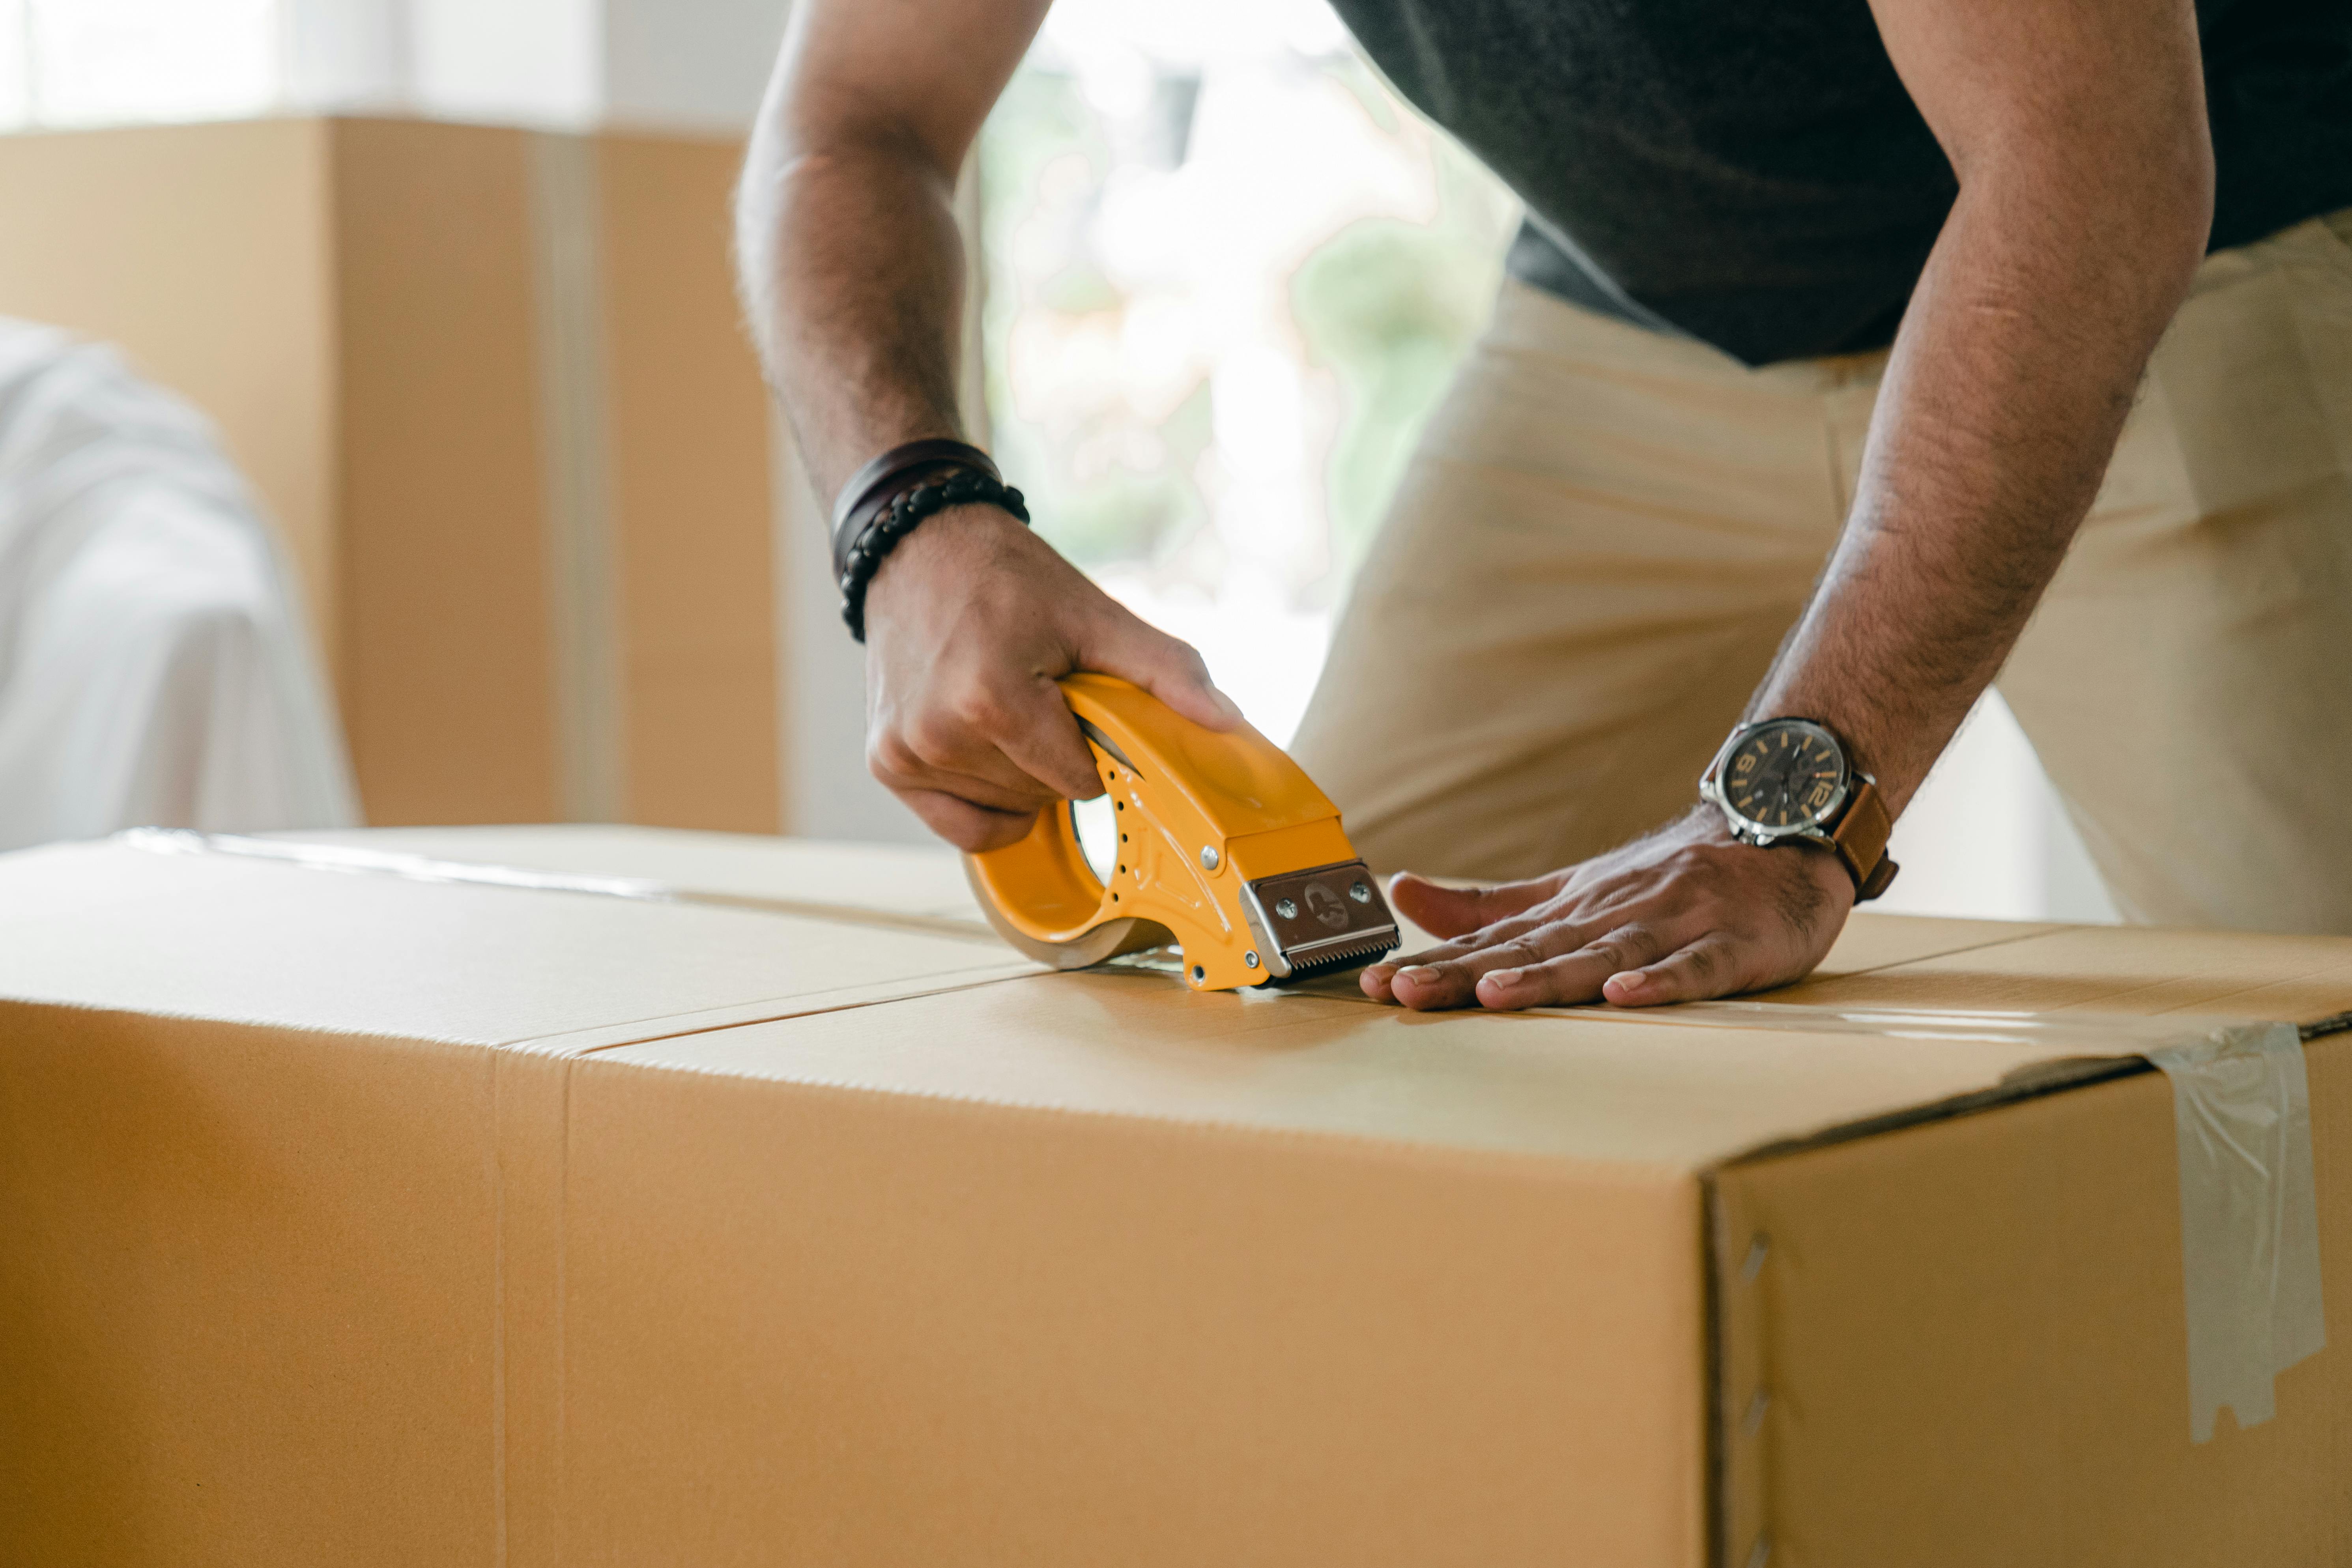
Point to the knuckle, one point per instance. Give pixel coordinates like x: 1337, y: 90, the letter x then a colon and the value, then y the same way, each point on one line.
x: 1634, y: 940
x: 982, y: 710
x: 934, y: 738
x: 1511, y: 928
x: 889, y: 760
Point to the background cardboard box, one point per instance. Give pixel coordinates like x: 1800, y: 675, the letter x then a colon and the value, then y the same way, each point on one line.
x: 492, y: 387
x: 432, y: 1211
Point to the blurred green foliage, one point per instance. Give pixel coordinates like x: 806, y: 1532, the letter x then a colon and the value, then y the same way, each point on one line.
x: 1387, y: 306
x: 1390, y: 308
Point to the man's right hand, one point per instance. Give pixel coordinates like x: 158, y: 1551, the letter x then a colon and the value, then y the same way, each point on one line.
x: 969, y: 623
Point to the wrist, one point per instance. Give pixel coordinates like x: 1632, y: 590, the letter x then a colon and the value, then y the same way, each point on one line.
x: 952, y: 550
x: 1789, y: 782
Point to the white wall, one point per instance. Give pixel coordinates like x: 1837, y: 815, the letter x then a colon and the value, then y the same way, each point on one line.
x: 694, y: 64
x: 1988, y: 837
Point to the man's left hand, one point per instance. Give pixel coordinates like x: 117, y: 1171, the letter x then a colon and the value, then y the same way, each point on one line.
x: 1682, y: 915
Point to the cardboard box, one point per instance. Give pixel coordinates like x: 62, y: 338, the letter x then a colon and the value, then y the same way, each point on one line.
x: 492, y: 385
x: 599, y: 1196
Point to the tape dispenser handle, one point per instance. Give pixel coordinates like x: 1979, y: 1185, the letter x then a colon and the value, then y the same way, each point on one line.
x: 1040, y: 892
x: 1202, y: 789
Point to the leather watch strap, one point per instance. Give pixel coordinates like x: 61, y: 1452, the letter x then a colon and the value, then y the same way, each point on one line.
x: 1859, y: 839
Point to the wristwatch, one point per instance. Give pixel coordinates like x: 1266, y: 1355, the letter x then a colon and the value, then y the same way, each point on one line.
x: 1792, y: 780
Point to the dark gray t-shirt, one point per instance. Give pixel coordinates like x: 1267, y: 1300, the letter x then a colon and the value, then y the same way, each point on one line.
x: 1751, y: 173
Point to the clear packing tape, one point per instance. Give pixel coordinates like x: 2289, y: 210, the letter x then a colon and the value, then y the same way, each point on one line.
x: 2248, y: 1215
x: 2241, y: 1112
x: 2241, y: 1128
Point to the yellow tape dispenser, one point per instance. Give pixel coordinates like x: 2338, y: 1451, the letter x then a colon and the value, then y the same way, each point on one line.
x: 1225, y: 847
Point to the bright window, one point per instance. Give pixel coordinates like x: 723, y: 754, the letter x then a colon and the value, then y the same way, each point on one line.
x: 86, y: 62
x: 1228, y: 275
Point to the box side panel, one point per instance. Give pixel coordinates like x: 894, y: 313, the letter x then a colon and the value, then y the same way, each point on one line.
x: 448, y: 654
x: 200, y: 251
x: 690, y: 477
x: 247, y: 1300
x: 1974, y: 1345
x: 820, y: 1325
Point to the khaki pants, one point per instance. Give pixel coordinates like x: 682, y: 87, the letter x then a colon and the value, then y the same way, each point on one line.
x: 1605, y: 533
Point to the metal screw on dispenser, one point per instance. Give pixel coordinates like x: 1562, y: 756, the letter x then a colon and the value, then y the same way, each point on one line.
x: 1250, y: 958
x: 1362, y: 892
x: 1287, y: 909
x: 1208, y: 857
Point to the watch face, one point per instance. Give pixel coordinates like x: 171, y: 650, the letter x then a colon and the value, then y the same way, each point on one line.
x: 1786, y: 775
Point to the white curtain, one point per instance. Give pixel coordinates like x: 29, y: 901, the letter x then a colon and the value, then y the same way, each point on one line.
x: 156, y: 665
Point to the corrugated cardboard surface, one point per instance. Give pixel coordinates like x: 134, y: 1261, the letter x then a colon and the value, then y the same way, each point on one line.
x: 448, y: 684
x: 882, y: 880
x: 691, y: 503
x: 369, y: 1219
x: 1970, y: 1335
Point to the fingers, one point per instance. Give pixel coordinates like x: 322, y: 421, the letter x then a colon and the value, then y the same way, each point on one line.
x: 1380, y: 980
x: 1007, y: 744
x: 1487, y: 917
x: 1706, y: 969
x: 1122, y: 644
x: 972, y: 828
x: 1632, y: 966
x: 977, y: 773
x: 1456, y: 911
x: 1544, y: 963
x: 1040, y: 736
x: 1684, y: 914
x: 1575, y: 977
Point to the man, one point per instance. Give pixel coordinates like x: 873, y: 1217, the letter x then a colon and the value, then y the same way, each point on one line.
x: 1823, y: 330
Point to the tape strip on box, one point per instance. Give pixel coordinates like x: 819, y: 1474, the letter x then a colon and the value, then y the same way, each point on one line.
x: 2248, y: 1215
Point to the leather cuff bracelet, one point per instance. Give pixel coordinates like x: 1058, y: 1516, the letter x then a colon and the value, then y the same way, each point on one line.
x: 889, y: 497
x: 881, y: 481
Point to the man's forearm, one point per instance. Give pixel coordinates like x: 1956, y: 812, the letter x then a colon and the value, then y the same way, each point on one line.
x: 851, y: 266
x: 852, y: 275
x: 2017, y: 362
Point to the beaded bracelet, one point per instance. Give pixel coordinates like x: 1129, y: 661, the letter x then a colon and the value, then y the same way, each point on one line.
x: 865, y: 556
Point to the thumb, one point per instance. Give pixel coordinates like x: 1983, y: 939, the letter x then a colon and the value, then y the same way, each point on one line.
x: 1125, y: 645
x: 1444, y: 911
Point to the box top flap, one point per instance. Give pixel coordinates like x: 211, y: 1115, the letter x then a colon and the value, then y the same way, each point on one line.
x: 916, y: 882
x: 925, y: 882
x: 2015, y: 1009
x: 1662, y: 1093
x: 118, y: 925
x: 2110, y: 971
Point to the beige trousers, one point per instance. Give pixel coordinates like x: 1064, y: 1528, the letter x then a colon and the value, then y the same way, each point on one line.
x: 1605, y: 533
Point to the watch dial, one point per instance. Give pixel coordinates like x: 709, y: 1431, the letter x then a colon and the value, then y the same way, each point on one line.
x: 1783, y: 777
